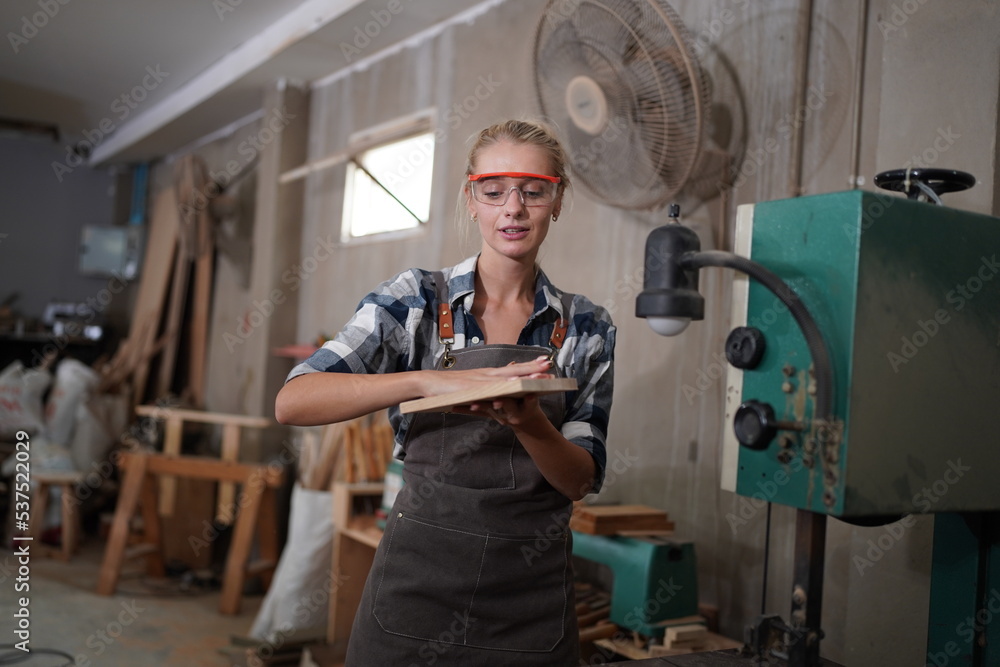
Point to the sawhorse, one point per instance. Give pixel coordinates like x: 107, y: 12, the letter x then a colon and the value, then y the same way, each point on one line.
x: 257, y: 510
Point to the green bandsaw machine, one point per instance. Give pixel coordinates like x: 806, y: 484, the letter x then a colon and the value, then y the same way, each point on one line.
x: 864, y: 370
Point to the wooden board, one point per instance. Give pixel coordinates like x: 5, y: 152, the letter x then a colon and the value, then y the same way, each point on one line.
x: 628, y: 649
x: 489, y: 391
x: 135, y: 352
x: 610, y: 519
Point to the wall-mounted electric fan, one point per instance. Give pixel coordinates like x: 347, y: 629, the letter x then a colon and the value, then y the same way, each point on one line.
x: 620, y: 80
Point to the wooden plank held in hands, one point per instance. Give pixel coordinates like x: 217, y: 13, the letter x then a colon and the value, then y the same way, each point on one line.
x: 488, y: 391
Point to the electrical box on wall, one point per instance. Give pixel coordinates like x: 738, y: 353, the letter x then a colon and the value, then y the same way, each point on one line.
x: 907, y: 296
x: 110, y: 251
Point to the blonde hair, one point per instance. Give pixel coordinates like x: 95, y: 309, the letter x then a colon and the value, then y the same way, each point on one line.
x: 534, y: 133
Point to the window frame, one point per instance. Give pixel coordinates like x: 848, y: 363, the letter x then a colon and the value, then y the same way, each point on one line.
x: 375, y: 137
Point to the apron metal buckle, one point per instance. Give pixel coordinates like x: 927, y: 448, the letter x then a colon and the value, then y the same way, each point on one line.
x: 447, y: 361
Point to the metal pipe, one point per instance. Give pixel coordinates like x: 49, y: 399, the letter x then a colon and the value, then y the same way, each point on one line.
x: 802, y: 42
x: 859, y: 86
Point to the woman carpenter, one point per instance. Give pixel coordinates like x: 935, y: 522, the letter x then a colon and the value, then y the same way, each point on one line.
x: 474, y: 566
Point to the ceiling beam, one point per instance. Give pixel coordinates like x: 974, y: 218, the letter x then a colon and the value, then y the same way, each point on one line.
x: 306, y: 19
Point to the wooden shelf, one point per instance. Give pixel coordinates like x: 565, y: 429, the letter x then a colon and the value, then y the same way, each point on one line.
x: 355, y: 539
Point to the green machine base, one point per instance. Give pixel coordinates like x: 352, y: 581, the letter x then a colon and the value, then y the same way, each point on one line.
x: 655, y: 579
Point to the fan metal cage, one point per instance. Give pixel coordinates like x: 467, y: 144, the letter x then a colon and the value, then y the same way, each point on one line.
x: 620, y: 81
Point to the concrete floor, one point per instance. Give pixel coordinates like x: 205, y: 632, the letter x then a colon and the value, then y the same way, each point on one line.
x: 132, y: 628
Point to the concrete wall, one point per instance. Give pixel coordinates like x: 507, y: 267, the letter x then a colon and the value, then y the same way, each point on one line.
x: 928, y: 69
x: 44, y: 211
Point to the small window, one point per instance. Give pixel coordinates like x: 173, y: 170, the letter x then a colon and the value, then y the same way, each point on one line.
x: 388, y: 187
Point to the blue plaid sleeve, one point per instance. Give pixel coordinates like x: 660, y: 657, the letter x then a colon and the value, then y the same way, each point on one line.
x: 378, y: 338
x: 588, y: 356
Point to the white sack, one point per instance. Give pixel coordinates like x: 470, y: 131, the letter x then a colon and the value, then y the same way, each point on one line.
x: 299, y: 597
x: 21, y: 391
x: 74, y: 382
x: 100, y: 420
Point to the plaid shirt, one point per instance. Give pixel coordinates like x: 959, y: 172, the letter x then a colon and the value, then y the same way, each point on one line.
x: 395, y: 329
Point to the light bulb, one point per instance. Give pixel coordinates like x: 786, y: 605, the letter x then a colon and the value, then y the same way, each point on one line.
x: 668, y: 326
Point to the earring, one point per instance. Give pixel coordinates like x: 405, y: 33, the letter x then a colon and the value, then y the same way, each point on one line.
x: 555, y: 216
x: 475, y: 218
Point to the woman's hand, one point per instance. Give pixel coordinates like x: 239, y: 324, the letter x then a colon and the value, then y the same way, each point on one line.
x: 435, y: 383
x: 508, y: 411
x: 514, y: 412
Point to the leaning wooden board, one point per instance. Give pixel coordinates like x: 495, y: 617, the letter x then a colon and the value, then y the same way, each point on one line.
x: 489, y: 391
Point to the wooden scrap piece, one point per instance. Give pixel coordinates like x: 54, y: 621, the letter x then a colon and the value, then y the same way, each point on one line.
x: 615, y: 519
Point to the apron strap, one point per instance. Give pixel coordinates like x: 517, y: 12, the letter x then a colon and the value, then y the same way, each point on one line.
x: 558, y: 336
x: 446, y: 328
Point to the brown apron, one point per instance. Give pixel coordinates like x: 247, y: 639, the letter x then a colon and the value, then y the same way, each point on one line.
x: 474, y: 568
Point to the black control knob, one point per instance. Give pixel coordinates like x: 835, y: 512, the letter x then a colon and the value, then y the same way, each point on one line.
x: 754, y: 424
x: 745, y: 347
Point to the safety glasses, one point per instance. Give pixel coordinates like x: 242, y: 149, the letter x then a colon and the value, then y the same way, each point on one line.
x: 532, y: 189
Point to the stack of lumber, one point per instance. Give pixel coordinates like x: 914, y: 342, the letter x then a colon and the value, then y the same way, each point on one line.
x: 354, y: 451
x: 131, y: 362
x: 593, y: 607
x: 174, y: 295
x: 689, y: 634
x: 690, y: 637
x: 619, y: 520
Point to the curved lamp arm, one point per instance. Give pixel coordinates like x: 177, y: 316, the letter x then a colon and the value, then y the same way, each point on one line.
x: 810, y: 330
x: 670, y: 297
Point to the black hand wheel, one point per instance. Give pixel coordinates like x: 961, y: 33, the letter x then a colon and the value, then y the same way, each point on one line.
x: 938, y: 181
